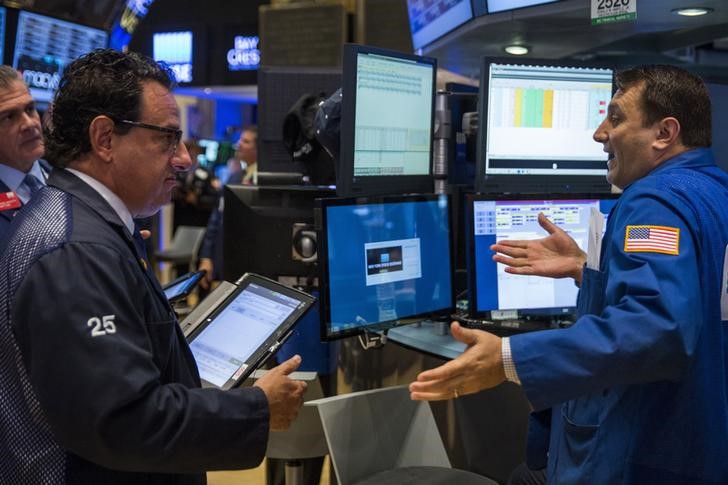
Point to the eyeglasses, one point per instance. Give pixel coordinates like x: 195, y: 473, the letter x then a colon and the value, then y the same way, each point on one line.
x: 172, y: 140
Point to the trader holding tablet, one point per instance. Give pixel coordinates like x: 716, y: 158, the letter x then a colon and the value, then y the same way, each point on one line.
x: 98, y: 383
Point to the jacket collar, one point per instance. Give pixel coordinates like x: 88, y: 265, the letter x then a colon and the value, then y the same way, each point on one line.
x: 68, y: 182
x: 695, y: 158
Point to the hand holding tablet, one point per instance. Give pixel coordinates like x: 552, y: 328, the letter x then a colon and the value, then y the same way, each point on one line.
x: 244, y: 330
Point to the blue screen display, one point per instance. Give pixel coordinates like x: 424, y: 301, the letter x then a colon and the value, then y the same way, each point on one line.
x: 387, y: 261
x: 431, y: 19
x: 498, y: 220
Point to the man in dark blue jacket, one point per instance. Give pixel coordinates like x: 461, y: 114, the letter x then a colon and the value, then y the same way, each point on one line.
x: 98, y: 383
x: 21, y: 145
x: 638, y: 386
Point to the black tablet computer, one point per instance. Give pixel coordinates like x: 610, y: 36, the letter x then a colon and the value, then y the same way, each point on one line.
x: 244, y: 329
x: 179, y: 288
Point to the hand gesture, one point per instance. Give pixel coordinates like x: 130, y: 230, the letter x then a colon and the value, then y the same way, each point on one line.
x: 556, y: 256
x: 479, y: 367
x: 285, y: 396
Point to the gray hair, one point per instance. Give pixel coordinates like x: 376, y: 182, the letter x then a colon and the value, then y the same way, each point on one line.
x: 8, y: 75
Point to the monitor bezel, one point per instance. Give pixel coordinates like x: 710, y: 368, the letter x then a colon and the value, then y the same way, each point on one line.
x: 347, y: 185
x: 548, y: 312
x: 323, y: 264
x: 525, y: 184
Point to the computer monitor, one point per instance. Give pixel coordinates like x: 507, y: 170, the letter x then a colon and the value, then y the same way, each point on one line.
x: 430, y: 20
x: 387, y: 118
x: 537, y: 119
x: 384, y: 261
x: 43, y: 47
x: 269, y: 230
x: 493, y: 293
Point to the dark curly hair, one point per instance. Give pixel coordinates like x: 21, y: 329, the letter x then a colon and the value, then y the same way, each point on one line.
x: 102, y: 82
x: 672, y: 91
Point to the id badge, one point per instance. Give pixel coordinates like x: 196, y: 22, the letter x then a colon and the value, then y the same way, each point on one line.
x: 9, y: 201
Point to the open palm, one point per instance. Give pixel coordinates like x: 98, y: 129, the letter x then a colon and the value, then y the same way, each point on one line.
x: 556, y: 256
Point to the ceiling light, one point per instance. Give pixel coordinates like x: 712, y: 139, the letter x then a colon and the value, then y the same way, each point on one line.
x: 692, y: 12
x: 516, y: 50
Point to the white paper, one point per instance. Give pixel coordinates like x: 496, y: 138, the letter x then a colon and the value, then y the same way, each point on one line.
x: 594, y: 240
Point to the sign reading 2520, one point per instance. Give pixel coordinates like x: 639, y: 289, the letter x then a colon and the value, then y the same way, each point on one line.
x: 609, y: 11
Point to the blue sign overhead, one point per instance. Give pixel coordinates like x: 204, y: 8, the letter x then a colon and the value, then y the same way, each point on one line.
x: 133, y: 13
x: 175, y: 48
x: 245, y: 55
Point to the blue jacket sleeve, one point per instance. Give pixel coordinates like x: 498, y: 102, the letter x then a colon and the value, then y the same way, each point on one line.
x: 642, y: 327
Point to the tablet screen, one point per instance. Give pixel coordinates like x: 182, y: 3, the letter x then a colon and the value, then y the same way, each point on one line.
x: 182, y: 286
x: 225, y: 347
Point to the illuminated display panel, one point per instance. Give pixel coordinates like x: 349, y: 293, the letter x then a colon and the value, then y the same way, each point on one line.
x: 387, y: 118
x: 496, y: 218
x: 175, y: 49
x: 384, y: 261
x: 431, y: 19
x: 555, y: 107
x: 45, y: 45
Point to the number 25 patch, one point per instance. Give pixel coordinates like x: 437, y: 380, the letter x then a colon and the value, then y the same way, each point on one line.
x: 652, y: 239
x: 102, y: 326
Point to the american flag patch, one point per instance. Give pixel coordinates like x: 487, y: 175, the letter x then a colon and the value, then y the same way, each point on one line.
x: 652, y: 239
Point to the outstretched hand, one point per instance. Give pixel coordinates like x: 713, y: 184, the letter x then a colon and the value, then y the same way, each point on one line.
x: 556, y: 256
x: 285, y: 395
x: 479, y: 367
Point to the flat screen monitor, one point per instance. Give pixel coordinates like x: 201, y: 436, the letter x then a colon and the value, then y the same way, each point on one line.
x: 494, y: 292
x: 537, y: 119
x: 384, y: 261
x: 431, y: 19
x: 43, y: 47
x: 386, y: 122
x: 495, y: 6
x: 269, y: 230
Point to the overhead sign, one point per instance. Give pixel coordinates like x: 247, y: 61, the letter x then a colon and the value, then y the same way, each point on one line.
x: 133, y: 13
x: 245, y: 55
x: 610, y: 11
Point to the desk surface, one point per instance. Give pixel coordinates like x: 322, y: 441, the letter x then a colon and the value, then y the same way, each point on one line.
x: 426, y: 338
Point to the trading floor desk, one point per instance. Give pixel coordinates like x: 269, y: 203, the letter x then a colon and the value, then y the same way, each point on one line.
x: 484, y: 432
